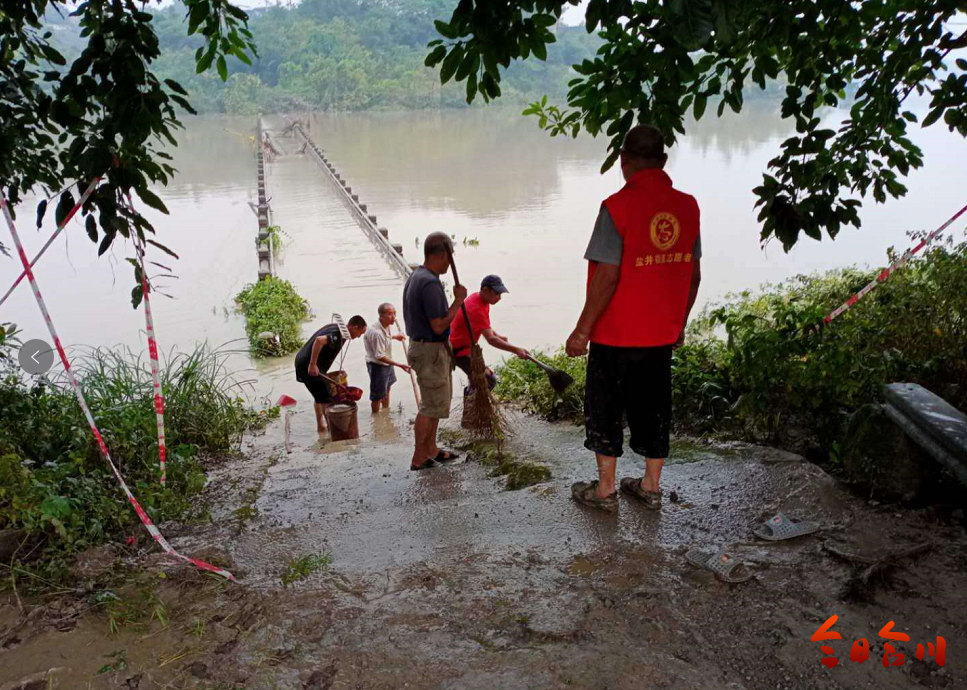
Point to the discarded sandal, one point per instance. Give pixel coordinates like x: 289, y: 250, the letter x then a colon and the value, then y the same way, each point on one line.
x: 719, y: 563
x: 632, y: 487
x: 430, y: 462
x: 586, y: 493
x: 780, y: 527
x: 446, y: 456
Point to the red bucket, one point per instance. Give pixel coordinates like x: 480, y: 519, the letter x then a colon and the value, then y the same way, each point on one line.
x: 348, y: 394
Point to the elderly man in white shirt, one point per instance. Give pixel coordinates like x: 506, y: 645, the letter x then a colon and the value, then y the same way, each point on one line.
x: 379, y: 357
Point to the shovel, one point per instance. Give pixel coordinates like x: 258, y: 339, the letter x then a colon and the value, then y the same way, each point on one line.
x: 558, y: 379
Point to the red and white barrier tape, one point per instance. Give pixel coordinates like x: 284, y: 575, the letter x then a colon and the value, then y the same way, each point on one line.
x: 53, y: 237
x: 159, y: 399
x: 145, y: 520
x: 886, y: 272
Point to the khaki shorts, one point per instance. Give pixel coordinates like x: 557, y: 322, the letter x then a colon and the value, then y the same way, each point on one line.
x: 433, y: 364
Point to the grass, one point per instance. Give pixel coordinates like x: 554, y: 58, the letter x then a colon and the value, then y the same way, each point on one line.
x: 518, y: 473
x: 273, y: 306
x: 277, y: 239
x: 56, y: 487
x: 302, y: 567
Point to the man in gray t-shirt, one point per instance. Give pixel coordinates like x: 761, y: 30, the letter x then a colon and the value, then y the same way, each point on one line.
x: 428, y: 320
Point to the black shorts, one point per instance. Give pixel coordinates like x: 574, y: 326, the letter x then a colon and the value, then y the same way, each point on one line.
x: 319, y: 388
x: 629, y: 381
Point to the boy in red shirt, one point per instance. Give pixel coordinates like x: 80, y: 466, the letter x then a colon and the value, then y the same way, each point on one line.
x: 478, y: 309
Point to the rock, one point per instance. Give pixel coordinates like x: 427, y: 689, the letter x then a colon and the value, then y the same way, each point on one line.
x: 94, y: 562
x: 198, y: 670
x: 881, y: 457
x: 10, y: 541
x: 321, y: 678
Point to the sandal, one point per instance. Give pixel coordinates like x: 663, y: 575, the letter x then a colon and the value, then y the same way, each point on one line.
x: 586, y: 493
x: 430, y: 462
x: 780, y: 527
x: 632, y: 487
x: 446, y: 456
x: 720, y: 563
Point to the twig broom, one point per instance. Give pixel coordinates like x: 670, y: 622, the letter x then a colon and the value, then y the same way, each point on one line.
x: 484, y: 415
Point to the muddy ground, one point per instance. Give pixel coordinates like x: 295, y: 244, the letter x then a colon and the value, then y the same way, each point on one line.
x: 443, y: 579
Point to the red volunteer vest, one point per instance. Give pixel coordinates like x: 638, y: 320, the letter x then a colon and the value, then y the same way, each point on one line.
x: 659, y: 226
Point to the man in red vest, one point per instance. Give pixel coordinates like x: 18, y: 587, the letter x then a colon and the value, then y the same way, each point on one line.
x: 643, y: 277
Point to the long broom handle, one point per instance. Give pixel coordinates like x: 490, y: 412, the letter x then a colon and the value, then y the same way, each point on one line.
x: 463, y: 306
x: 416, y: 389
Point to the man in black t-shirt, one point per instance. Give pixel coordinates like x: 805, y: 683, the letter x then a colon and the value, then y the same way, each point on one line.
x: 315, y: 358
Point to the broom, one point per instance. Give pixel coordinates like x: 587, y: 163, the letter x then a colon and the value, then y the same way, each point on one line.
x: 485, y: 416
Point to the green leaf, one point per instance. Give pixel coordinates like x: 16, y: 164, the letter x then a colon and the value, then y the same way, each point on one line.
x: 162, y: 248
x: 694, y: 21
x: 724, y: 13
x: 176, y: 87
x: 436, y: 56
x: 471, y: 87
x: 91, y: 226
x: 698, y: 109
x: 41, y: 212
x: 450, y: 64
x: 222, y: 68
x: 64, y: 206
x: 137, y: 294
x: 470, y: 65
x: 539, y: 49
x: 105, y: 243
x: 932, y: 116
x: 152, y: 200
x: 58, y: 507
x: 445, y: 29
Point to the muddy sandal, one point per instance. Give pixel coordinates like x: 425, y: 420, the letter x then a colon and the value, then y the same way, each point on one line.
x: 780, y: 527
x: 720, y: 563
x: 632, y: 487
x: 446, y: 456
x: 430, y: 462
x: 586, y: 493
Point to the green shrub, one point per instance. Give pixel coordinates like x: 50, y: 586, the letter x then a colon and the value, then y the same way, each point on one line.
x: 55, y: 485
x: 525, y: 383
x: 272, y: 305
x: 777, y: 375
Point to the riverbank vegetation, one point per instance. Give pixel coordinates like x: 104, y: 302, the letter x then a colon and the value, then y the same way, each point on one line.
x: 273, y: 306
x: 759, y: 366
x: 329, y: 55
x: 58, y: 495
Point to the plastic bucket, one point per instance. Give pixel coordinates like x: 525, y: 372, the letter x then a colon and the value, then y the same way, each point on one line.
x: 342, y: 421
x: 339, y: 377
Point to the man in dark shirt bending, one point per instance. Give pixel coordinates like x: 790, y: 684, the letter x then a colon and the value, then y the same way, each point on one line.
x: 428, y: 320
x: 315, y: 358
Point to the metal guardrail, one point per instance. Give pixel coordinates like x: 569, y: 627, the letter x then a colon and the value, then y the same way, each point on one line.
x: 393, y: 253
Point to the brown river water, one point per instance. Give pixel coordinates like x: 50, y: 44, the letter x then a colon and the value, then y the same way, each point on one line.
x: 486, y: 175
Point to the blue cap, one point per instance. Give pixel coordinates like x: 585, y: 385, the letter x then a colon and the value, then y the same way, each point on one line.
x: 494, y: 283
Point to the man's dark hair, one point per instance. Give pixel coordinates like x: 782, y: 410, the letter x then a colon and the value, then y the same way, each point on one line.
x: 645, y: 143
x: 436, y: 243
x: 357, y: 322
x: 385, y: 307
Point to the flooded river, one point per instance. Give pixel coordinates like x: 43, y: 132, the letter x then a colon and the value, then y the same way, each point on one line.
x: 484, y: 175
